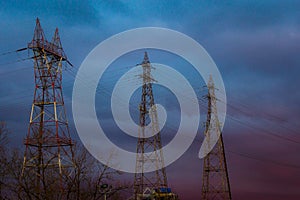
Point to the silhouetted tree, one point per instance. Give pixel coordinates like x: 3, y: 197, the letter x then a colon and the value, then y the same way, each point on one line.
x: 83, y: 183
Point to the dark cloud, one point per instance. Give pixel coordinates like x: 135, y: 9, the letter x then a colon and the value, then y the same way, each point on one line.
x: 254, y: 43
x: 69, y: 12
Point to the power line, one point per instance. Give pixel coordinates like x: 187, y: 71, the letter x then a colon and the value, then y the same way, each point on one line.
x: 264, y: 160
x: 247, y: 125
x: 199, y: 100
x: 15, y: 70
x: 14, y: 51
x: 240, y: 122
x: 268, y: 132
x: 19, y: 60
x: 264, y: 131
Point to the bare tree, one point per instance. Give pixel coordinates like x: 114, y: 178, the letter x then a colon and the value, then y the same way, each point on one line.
x: 83, y: 183
x: 91, y: 174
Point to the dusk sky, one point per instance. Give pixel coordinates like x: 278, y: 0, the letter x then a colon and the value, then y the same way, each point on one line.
x: 255, y: 44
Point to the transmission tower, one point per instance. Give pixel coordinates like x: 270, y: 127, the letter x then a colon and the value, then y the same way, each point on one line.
x: 145, y: 183
x: 215, y: 183
x: 48, y: 158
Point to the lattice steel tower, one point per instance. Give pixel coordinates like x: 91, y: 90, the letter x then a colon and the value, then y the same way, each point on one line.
x: 48, y: 158
x: 215, y: 183
x: 144, y: 182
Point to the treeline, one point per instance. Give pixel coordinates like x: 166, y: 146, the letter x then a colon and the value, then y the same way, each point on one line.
x: 82, y: 183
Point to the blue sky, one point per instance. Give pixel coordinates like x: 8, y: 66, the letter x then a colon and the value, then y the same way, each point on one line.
x: 255, y: 45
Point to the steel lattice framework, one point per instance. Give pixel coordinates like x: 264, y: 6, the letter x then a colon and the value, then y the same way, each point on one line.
x: 48, y: 158
x: 215, y: 183
x: 144, y: 183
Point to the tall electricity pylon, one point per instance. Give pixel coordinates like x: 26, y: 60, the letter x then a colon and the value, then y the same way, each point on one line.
x: 145, y: 183
x: 215, y: 183
x: 48, y: 158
